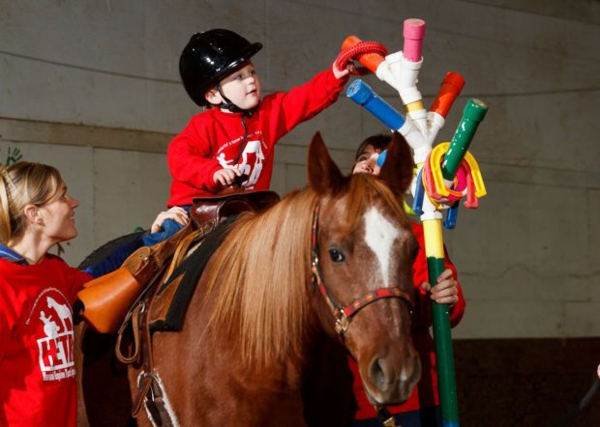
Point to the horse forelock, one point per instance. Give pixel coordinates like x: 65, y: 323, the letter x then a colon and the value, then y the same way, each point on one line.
x: 364, y: 191
x: 258, y: 281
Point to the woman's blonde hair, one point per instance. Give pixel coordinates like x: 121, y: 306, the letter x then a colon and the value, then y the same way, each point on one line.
x: 22, y: 184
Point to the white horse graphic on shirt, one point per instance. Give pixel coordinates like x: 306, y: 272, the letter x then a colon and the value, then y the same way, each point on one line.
x: 253, y: 171
x: 62, y: 310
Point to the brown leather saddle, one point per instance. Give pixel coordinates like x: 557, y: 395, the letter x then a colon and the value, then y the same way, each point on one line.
x: 170, y: 301
x: 221, y: 206
x: 163, y: 304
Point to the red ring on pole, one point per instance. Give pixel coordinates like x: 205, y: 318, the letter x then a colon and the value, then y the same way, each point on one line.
x: 354, y: 54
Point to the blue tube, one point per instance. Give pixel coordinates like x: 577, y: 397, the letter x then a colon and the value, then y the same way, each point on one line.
x: 381, y: 158
x: 362, y: 94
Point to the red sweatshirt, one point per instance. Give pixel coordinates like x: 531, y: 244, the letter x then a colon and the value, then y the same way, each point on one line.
x: 37, y: 358
x: 213, y: 139
x: 425, y: 394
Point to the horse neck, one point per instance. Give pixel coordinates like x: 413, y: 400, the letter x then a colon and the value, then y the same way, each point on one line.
x: 257, y: 281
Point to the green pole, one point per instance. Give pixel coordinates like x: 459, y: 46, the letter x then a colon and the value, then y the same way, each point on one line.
x: 443, y: 350
x: 473, y: 114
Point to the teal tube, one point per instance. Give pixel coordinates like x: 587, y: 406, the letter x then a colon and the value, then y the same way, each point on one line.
x: 473, y: 114
x: 443, y: 350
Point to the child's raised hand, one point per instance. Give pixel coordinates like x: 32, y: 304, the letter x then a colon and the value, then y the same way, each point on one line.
x: 340, y: 74
x: 445, y: 291
x: 225, y: 177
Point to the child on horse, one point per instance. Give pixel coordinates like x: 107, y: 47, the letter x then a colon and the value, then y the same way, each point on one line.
x: 422, y: 407
x: 233, y: 141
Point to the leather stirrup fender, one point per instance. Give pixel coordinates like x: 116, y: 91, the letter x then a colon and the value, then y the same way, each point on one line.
x: 107, y: 299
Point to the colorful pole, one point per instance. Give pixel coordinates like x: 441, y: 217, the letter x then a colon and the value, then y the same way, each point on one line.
x: 434, y: 248
x: 431, y: 217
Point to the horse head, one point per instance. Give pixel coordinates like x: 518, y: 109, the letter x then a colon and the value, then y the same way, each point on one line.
x: 363, y: 251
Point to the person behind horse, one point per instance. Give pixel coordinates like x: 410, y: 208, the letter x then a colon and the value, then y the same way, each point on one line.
x: 233, y: 140
x: 422, y: 407
x: 37, y: 290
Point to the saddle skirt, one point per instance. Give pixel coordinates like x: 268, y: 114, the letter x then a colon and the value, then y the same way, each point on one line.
x: 169, y: 292
x: 212, y: 217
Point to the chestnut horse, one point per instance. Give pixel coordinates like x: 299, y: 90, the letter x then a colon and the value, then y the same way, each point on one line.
x: 293, y: 290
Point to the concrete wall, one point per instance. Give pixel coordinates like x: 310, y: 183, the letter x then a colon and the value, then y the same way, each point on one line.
x: 92, y: 87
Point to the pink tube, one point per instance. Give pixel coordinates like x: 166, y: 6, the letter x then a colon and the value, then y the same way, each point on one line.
x: 414, y: 32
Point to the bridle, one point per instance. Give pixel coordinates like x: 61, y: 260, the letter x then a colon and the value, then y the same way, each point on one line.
x: 343, y: 315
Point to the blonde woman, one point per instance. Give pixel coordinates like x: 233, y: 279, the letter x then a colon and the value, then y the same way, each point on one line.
x: 37, y: 293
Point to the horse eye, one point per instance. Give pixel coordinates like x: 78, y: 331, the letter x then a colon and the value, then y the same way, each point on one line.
x: 335, y: 255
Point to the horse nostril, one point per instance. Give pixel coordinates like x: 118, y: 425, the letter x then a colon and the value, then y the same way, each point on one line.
x: 377, y: 373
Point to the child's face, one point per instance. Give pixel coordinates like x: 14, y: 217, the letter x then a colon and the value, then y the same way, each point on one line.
x: 241, y: 87
x: 367, y: 161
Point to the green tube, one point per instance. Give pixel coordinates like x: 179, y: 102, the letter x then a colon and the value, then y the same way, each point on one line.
x: 473, y: 114
x: 443, y: 350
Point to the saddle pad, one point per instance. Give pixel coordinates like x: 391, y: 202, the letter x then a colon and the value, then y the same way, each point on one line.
x: 171, y: 301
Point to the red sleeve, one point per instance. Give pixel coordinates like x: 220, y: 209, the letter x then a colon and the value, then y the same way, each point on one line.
x: 74, y: 280
x: 420, y: 276
x: 188, y: 156
x: 303, y: 102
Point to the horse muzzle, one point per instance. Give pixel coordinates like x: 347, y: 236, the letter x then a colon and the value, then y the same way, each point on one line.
x: 389, y: 382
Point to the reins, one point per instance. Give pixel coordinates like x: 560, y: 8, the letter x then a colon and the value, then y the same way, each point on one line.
x: 343, y: 314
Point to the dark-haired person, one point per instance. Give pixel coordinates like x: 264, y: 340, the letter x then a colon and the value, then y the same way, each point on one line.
x: 422, y: 407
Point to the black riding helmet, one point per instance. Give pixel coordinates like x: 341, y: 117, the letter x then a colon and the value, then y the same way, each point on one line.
x: 211, y: 56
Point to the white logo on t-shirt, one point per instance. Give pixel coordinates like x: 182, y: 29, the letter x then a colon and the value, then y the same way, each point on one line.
x: 56, y: 349
x: 251, y: 162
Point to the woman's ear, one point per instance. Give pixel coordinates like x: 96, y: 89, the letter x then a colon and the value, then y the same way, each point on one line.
x: 33, y: 216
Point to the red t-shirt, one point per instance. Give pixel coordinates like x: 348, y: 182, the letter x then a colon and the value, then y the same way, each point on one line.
x: 425, y: 394
x: 37, y: 359
x: 213, y: 138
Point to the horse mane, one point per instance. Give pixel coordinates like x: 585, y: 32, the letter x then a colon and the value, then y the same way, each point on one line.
x: 258, y: 280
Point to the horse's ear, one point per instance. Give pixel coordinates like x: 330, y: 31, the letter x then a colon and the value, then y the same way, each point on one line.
x: 397, y: 171
x: 323, y: 174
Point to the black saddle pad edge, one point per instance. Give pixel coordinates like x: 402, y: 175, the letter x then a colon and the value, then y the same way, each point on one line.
x: 191, y: 268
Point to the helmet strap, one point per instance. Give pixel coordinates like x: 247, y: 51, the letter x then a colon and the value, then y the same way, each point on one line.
x: 228, y: 105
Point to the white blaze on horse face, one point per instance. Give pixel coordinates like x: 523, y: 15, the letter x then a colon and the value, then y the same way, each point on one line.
x: 380, y: 235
